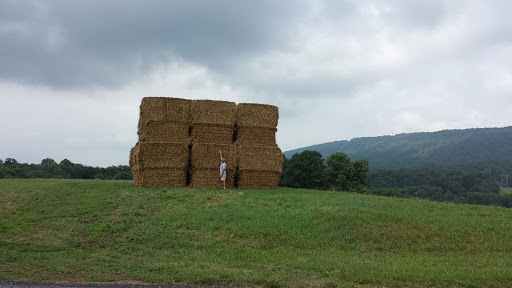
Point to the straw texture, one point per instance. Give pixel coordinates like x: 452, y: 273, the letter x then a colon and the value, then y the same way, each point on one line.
x: 161, y: 155
x: 259, y: 166
x: 180, y: 140
x: 206, y: 155
x: 153, y: 103
x: 159, y: 164
x: 164, y: 131
x: 134, y: 164
x: 259, y: 115
x: 205, y: 133
x: 210, y: 178
x: 256, y: 136
x: 165, y: 109
x: 213, y: 112
x: 158, y: 177
x: 269, y: 158
x: 256, y: 124
x: 258, y: 179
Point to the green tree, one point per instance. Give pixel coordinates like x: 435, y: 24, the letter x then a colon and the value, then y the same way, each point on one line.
x: 10, y: 161
x: 67, y: 167
x: 66, y: 162
x: 305, y: 170
x: 58, y: 172
x: 360, y: 178
x: 123, y: 175
x: 282, y: 178
x: 48, y: 161
x: 344, y: 175
x: 339, y: 171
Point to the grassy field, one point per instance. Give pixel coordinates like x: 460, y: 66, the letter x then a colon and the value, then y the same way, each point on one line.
x: 93, y: 230
x: 506, y: 191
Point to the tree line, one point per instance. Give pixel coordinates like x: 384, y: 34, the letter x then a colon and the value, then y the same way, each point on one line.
x: 454, y: 184
x: 461, y: 184
x: 309, y: 170
x: 65, y: 169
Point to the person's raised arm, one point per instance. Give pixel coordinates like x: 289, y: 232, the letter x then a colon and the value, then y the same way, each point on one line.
x: 220, y: 152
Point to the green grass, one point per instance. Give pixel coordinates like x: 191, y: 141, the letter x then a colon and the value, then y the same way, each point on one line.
x: 506, y: 191
x: 93, y: 230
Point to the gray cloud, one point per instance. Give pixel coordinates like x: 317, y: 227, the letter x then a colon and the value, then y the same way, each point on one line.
x: 336, y: 69
x: 83, y: 43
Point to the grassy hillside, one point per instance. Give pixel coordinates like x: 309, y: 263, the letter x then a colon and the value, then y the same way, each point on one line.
x: 93, y: 230
x: 442, y: 148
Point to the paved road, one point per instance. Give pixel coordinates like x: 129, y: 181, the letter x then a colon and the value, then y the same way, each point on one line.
x: 20, y: 284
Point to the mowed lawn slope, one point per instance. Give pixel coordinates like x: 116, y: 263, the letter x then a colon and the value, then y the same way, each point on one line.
x: 94, y: 230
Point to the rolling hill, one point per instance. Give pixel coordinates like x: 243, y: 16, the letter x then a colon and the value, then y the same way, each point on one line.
x: 68, y: 230
x: 468, y: 147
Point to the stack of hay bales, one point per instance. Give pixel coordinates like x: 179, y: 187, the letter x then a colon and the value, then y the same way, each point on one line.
x: 180, y: 140
x: 205, y: 162
x: 212, y: 130
x: 259, y: 158
x: 161, y: 156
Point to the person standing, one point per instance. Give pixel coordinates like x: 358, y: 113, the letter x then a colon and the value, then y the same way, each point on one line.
x: 222, y: 170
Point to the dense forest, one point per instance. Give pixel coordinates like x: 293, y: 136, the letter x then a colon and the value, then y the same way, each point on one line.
x: 442, y: 148
x: 455, y: 184
x: 49, y: 168
x: 462, y: 166
x: 483, y: 149
x: 308, y: 169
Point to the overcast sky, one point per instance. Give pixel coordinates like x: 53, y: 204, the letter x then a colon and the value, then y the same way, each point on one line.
x: 73, y: 73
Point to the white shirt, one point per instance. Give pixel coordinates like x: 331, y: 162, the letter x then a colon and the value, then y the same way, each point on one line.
x: 222, y: 167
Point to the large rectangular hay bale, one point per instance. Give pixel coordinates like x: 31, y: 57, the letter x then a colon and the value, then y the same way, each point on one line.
x: 259, y: 115
x: 160, y: 155
x: 258, y: 179
x: 210, y: 178
x: 165, y: 109
x: 160, y: 177
x: 256, y: 136
x: 213, y: 112
x: 206, y: 155
x: 163, y: 131
x: 208, y: 133
x: 268, y: 158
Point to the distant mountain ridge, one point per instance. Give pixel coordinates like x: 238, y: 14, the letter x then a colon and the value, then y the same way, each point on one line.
x: 442, y: 148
